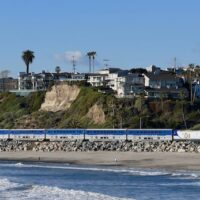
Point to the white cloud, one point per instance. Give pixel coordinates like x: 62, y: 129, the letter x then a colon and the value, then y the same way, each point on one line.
x: 68, y: 56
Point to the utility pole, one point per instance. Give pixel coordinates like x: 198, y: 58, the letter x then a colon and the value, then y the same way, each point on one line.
x: 191, y: 93
x: 175, y: 64
x: 73, y: 64
x: 113, y: 113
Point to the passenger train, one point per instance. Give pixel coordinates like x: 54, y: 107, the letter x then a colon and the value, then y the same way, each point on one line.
x: 97, y: 134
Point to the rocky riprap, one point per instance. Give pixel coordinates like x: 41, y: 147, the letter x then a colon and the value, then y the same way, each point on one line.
x: 123, y: 146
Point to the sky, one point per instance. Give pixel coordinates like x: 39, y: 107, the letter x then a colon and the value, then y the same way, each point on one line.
x: 128, y: 33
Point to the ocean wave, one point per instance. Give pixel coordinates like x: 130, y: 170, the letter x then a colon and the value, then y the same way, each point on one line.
x: 181, y: 184
x: 130, y: 171
x: 186, y: 175
x: 19, y: 164
x: 179, y: 174
x: 11, y: 190
x: 5, y: 184
x: 52, y: 193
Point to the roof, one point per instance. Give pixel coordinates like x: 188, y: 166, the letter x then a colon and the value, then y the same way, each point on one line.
x: 96, y: 74
x: 111, y: 69
x: 162, y: 75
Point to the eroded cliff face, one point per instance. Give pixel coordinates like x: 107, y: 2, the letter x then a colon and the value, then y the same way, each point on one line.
x: 60, y: 97
x: 96, y: 114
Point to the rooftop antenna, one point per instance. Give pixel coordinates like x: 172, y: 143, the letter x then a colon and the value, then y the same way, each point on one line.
x: 175, y: 64
x: 106, y: 63
x: 74, y: 64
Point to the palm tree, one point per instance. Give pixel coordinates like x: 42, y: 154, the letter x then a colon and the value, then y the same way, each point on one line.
x: 91, y: 56
x: 28, y: 57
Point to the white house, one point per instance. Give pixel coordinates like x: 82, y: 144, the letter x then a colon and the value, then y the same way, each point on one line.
x: 97, y: 80
x: 129, y: 85
x: 162, y: 79
x: 120, y: 81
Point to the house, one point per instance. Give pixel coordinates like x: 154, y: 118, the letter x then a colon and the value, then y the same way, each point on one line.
x: 129, y: 85
x: 34, y: 81
x: 97, y: 80
x: 165, y: 84
x: 196, y: 89
x: 78, y: 77
x: 7, y: 84
x: 162, y: 79
x: 102, y: 77
x: 41, y: 81
x: 121, y: 81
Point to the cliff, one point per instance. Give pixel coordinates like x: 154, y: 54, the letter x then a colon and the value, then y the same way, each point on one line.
x: 60, y: 97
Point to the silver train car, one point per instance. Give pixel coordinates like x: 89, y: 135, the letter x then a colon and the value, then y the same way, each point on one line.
x: 64, y: 134
x: 26, y: 134
x: 98, y: 134
x: 4, y: 134
x: 149, y: 134
x: 105, y: 134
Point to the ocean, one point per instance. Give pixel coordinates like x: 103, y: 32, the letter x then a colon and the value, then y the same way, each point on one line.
x: 50, y: 181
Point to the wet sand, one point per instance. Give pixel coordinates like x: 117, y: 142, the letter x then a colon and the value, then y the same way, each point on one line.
x: 161, y: 160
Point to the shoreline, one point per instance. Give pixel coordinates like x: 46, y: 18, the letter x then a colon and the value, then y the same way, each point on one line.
x: 150, y: 160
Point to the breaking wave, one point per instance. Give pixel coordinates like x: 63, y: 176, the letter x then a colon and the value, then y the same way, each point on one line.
x: 11, y: 190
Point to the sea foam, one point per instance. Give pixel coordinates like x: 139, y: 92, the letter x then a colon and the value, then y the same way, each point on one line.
x: 10, y: 190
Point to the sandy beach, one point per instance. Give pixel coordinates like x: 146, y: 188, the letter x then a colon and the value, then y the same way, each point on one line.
x: 187, y: 161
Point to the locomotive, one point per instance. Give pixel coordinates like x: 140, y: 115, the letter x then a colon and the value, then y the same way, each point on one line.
x: 98, y: 134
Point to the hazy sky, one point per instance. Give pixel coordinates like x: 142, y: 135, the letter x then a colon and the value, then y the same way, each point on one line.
x: 129, y: 33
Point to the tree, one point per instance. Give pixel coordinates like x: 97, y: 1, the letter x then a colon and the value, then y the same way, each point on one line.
x: 91, y: 55
x: 57, y: 69
x: 183, y: 102
x: 139, y: 103
x: 28, y: 57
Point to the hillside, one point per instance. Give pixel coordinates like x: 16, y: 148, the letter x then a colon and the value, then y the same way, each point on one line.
x: 73, y: 106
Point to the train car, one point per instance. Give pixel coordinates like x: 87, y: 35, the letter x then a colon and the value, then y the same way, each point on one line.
x: 27, y: 134
x: 105, y: 134
x: 186, y: 135
x: 4, y: 134
x: 64, y: 134
x: 149, y: 134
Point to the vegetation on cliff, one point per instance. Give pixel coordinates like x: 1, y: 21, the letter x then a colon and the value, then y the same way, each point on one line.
x: 24, y: 112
